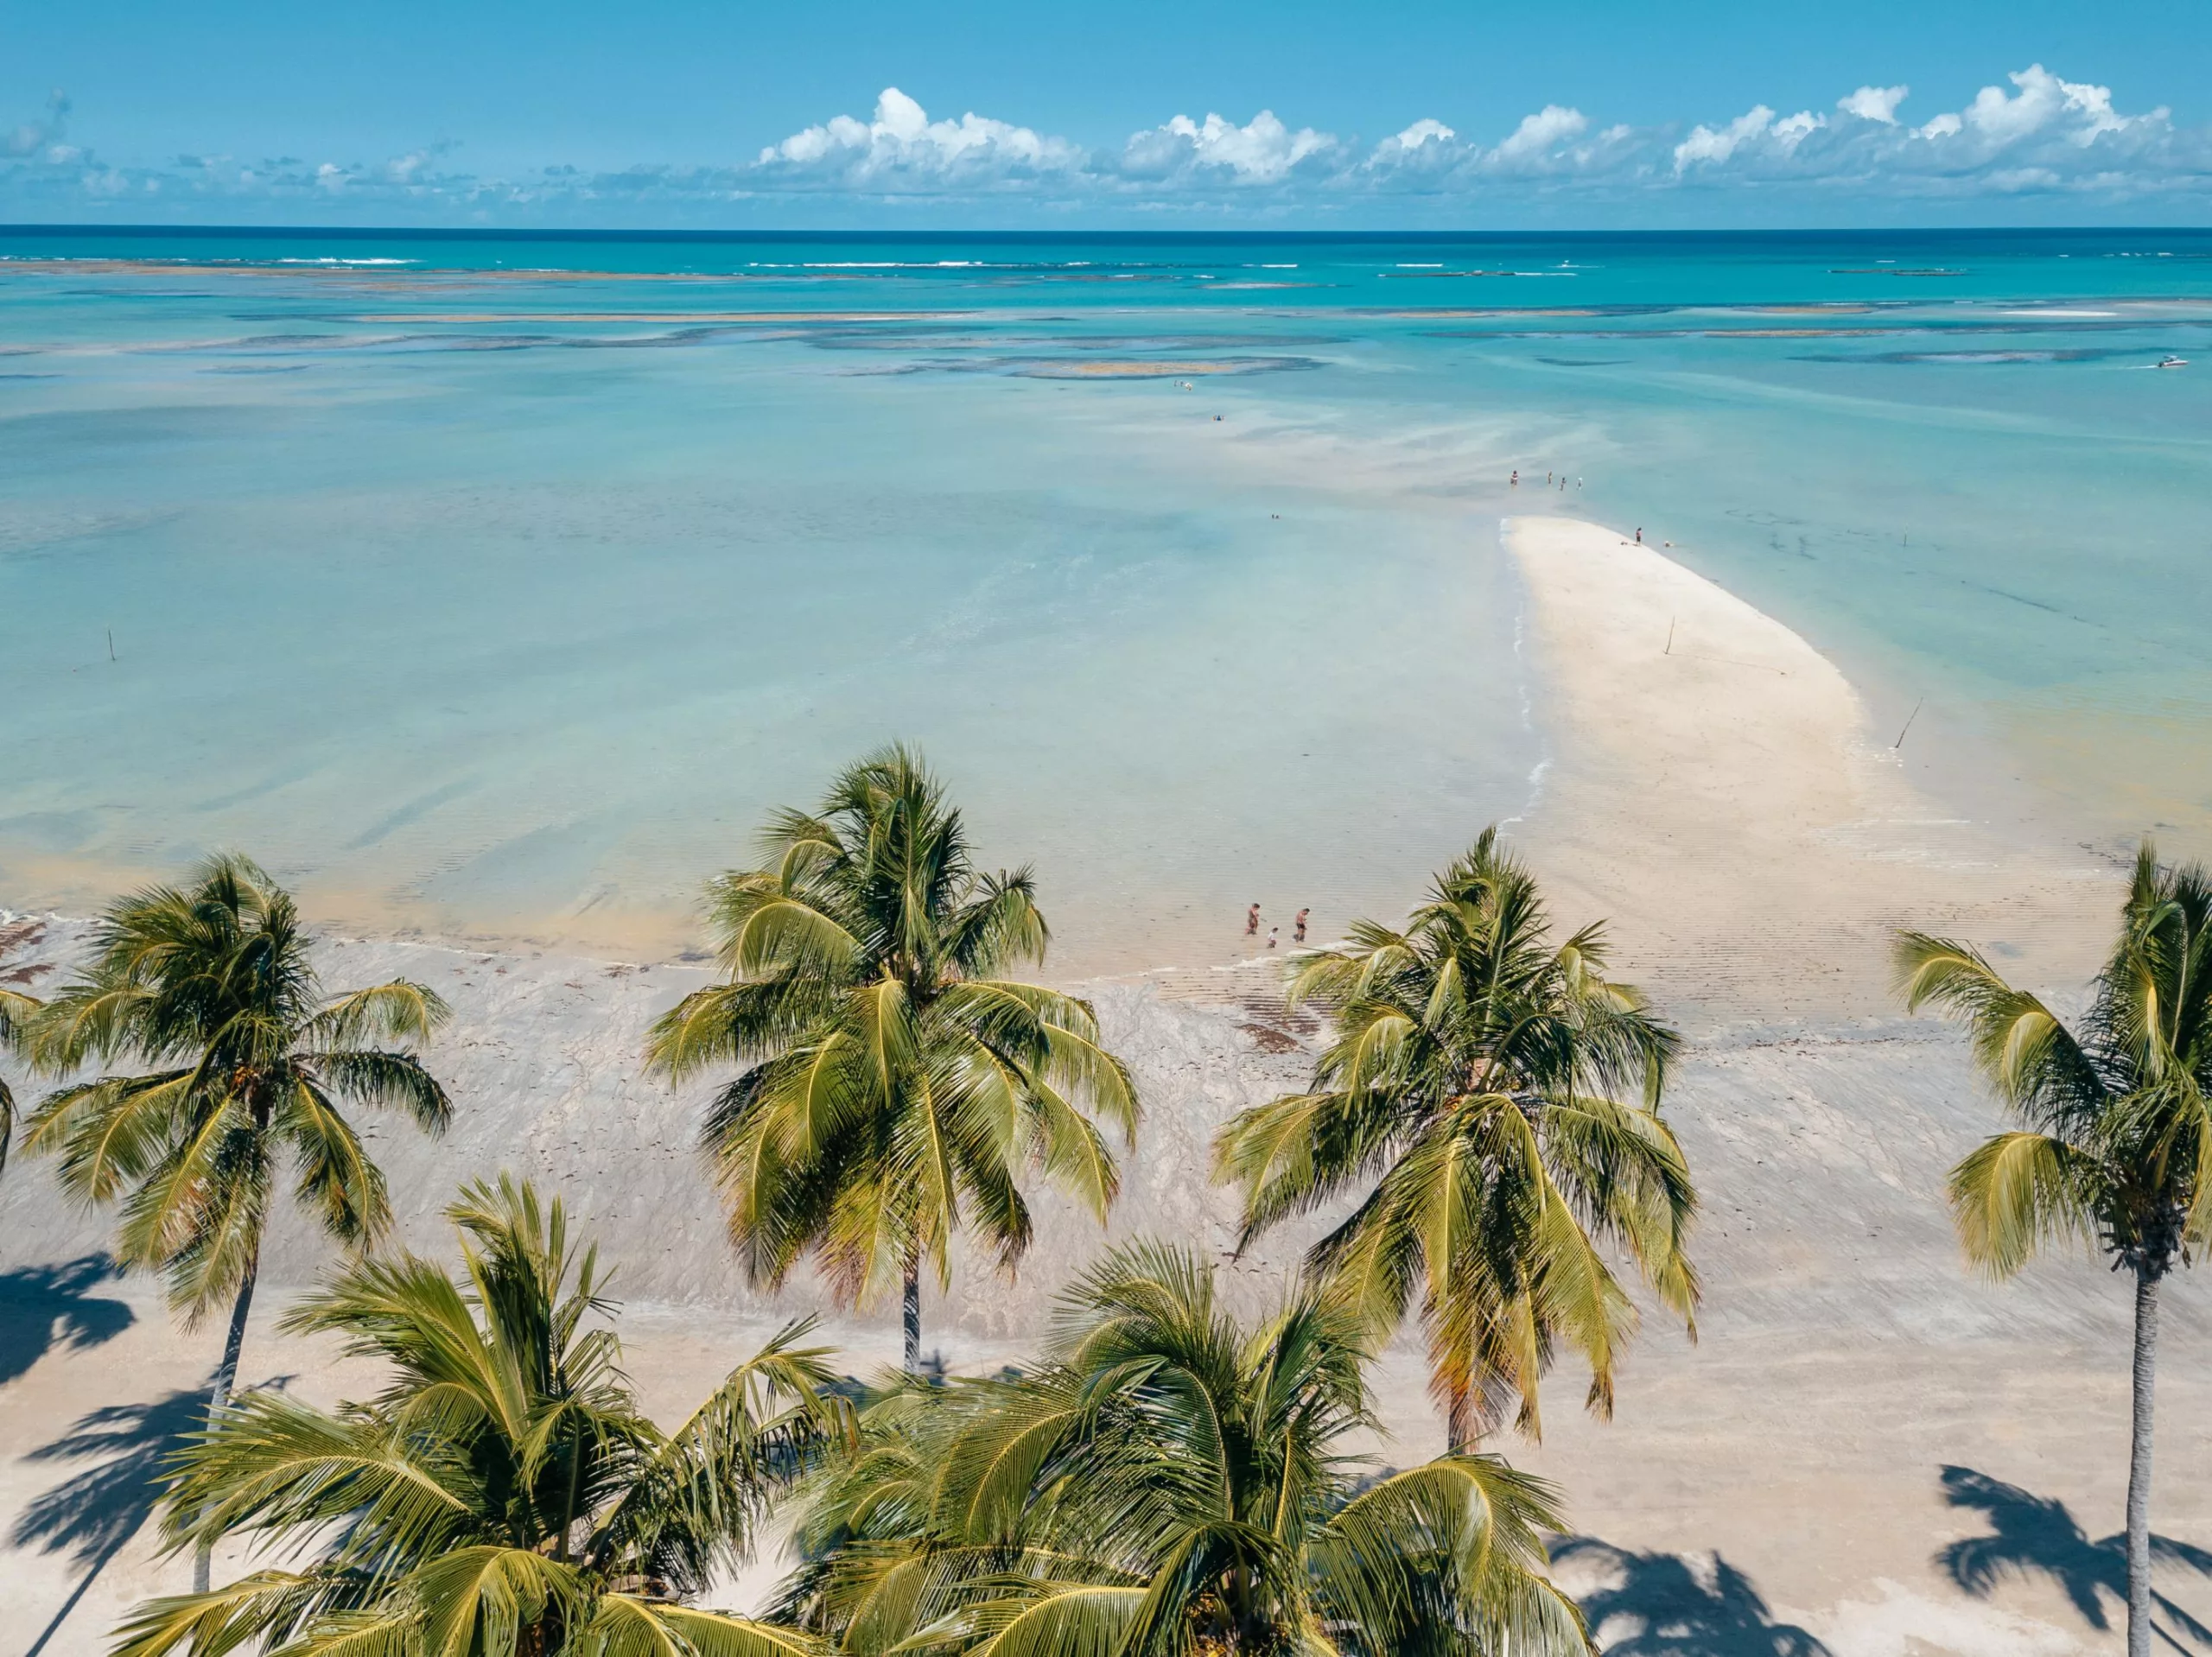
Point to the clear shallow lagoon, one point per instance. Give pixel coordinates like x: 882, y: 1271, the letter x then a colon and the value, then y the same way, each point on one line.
x: 496, y: 586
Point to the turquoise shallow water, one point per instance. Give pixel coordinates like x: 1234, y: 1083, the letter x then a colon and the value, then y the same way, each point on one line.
x: 497, y: 587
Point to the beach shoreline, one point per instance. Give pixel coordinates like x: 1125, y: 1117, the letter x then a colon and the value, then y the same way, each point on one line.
x: 1750, y: 851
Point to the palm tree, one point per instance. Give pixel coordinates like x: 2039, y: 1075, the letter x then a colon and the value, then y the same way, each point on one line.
x: 503, y: 1496
x: 893, y: 1082
x: 1170, y: 1481
x: 1471, y: 1087
x: 16, y: 1010
x: 2115, y: 1143
x: 211, y: 984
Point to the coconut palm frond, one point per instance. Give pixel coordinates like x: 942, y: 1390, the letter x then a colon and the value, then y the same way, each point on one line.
x: 276, y: 1465
x: 264, y: 1608
x: 1058, y: 1620
x: 624, y: 1626
x: 357, y: 1633
x: 998, y: 926
x: 336, y: 1176
x: 2029, y: 1056
x: 16, y: 1011
x: 398, y: 1082
x: 2018, y: 1193
x: 697, y: 1496
x: 1446, y: 1557
x: 108, y: 1133
x: 486, y: 1599
x: 401, y: 1011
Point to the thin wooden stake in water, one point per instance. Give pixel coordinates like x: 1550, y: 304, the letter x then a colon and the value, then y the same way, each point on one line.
x: 111, y: 644
x: 1913, y: 715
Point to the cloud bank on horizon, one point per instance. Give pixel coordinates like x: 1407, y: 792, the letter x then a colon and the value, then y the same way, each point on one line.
x: 2038, y: 136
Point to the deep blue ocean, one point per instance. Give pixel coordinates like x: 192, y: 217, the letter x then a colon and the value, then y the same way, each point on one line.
x: 496, y: 585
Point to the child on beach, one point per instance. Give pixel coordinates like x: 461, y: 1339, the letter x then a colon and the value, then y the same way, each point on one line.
x: 1272, y: 930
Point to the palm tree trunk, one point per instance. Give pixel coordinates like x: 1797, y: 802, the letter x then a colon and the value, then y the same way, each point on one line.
x: 226, y: 1377
x: 2139, y: 1465
x: 913, y: 1309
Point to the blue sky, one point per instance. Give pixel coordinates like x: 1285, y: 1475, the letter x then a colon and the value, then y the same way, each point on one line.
x: 680, y: 112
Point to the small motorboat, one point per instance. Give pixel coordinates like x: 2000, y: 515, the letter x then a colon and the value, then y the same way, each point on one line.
x: 2173, y: 362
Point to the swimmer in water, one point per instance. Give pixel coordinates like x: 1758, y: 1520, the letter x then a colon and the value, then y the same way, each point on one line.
x: 1298, y: 926
x: 1252, y: 922
x: 1515, y: 478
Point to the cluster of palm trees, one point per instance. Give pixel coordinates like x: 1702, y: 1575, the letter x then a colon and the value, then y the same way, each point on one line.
x: 1165, y: 1478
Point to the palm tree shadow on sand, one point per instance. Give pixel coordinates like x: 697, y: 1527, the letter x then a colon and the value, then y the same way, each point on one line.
x: 43, y: 1307
x: 90, y: 1514
x: 1678, y: 1605
x: 2034, y: 1536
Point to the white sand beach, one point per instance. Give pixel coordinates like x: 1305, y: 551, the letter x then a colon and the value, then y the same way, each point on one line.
x: 1720, y: 796
x: 1779, y: 1486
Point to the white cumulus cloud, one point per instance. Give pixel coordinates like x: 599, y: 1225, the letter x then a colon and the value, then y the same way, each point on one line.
x: 1540, y: 133
x: 902, y: 149
x: 1262, y: 151
x: 1877, y: 103
x: 1711, y: 144
x: 1793, y: 130
x: 2042, y: 100
x: 1423, y: 131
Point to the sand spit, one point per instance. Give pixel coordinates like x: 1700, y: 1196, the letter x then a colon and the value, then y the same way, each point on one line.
x: 1717, y: 793
x: 1866, y: 1454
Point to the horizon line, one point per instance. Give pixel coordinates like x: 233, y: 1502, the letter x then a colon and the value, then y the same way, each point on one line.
x: 584, y: 233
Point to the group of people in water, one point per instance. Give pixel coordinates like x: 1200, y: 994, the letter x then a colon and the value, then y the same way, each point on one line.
x: 1515, y: 482
x: 1297, y: 926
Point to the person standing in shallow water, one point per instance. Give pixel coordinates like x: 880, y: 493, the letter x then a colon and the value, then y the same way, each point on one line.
x: 1252, y: 921
x: 1273, y: 932
x: 1298, y: 926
